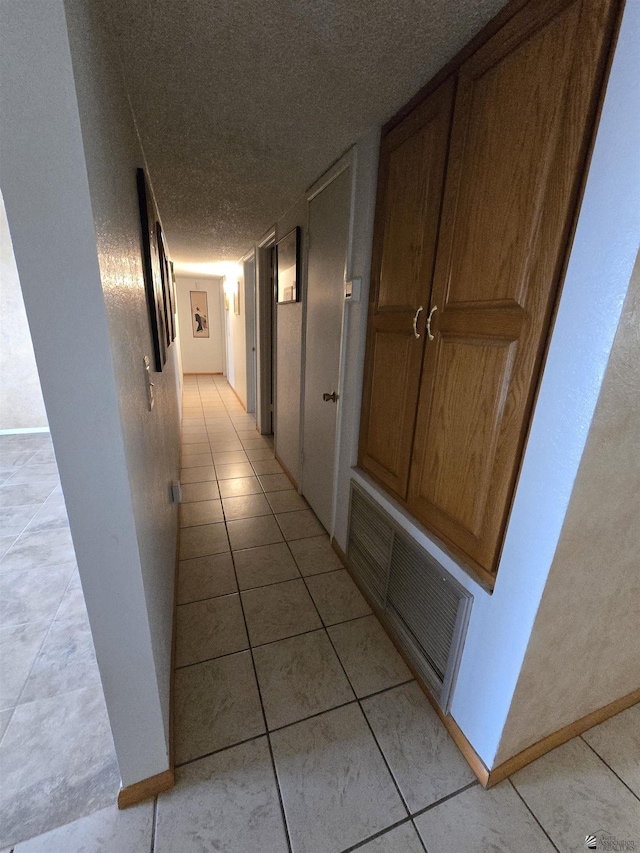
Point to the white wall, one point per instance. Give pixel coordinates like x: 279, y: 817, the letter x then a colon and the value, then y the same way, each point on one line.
x: 584, y: 650
x: 236, y: 334
x: 21, y: 403
x: 200, y: 355
x: 598, y: 275
x: 68, y: 177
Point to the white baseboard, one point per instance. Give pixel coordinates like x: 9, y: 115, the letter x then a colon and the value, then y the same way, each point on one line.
x: 25, y: 431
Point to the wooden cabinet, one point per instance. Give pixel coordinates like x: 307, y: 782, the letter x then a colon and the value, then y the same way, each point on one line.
x: 411, y: 180
x: 457, y: 416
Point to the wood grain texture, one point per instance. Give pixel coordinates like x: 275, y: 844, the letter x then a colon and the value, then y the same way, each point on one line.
x: 411, y: 180
x: 150, y: 787
x: 522, y: 123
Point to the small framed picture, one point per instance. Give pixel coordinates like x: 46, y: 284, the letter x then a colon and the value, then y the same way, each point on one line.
x: 236, y: 301
x: 288, y: 266
x: 199, y: 313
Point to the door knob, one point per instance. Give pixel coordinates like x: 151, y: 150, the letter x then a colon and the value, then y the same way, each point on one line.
x: 333, y: 397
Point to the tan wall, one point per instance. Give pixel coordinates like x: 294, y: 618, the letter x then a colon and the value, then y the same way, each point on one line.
x: 21, y: 403
x: 584, y: 650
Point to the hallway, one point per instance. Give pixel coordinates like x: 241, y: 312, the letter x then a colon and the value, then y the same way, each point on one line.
x: 298, y: 727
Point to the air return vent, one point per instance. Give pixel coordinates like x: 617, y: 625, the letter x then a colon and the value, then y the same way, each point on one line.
x: 427, y: 609
x: 370, y: 541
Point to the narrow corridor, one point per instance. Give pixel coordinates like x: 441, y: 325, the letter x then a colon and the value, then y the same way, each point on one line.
x: 297, y: 725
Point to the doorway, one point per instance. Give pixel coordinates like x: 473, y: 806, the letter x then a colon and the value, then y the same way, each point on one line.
x: 329, y: 220
x: 249, y: 277
x: 265, y: 334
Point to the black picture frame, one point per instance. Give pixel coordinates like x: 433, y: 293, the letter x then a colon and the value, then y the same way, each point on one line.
x: 165, y: 274
x: 152, y: 272
x: 288, y: 267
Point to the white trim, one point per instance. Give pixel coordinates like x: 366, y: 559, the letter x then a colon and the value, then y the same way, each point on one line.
x: 265, y: 341
x: 251, y: 339
x: 346, y: 161
x: 23, y: 431
x: 340, y: 166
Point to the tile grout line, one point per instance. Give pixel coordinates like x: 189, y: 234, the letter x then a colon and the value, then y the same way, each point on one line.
x: 41, y: 646
x: 355, y: 700
x: 217, y: 751
x: 606, y: 763
x: 274, y: 769
x: 360, y: 844
x: 280, y: 639
x: 418, y: 835
x: 444, y: 799
x: 264, y: 716
x: 402, y: 799
x: 533, y: 815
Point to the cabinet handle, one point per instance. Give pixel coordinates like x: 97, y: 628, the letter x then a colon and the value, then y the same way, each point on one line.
x: 429, y: 335
x: 416, y: 333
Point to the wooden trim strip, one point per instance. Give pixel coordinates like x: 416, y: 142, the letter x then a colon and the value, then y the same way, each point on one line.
x: 471, y: 756
x: 205, y: 373
x: 489, y: 30
x: 286, y: 471
x: 486, y: 777
x: 517, y: 762
x: 154, y: 785
x: 164, y: 781
x: 150, y: 787
x: 237, y: 395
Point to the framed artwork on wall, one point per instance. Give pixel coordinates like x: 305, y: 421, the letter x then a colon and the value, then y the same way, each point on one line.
x: 174, y: 300
x: 167, y: 294
x: 199, y: 313
x: 288, y: 267
x: 236, y: 300
x: 152, y: 269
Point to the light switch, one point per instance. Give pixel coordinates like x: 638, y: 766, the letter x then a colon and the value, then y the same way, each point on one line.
x: 352, y: 290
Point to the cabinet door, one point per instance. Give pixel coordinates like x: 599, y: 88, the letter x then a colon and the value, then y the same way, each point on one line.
x: 411, y: 179
x: 524, y: 110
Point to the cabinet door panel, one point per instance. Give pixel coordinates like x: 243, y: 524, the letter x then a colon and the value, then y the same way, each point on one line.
x: 520, y: 132
x: 411, y: 178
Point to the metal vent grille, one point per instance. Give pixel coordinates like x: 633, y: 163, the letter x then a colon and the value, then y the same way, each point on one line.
x: 369, y: 545
x: 427, y: 609
x: 424, y: 606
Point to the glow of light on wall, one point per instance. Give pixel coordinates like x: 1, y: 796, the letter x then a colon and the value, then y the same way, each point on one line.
x: 216, y: 268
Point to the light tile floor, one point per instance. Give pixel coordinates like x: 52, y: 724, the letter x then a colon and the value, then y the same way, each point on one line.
x: 57, y: 760
x: 299, y: 728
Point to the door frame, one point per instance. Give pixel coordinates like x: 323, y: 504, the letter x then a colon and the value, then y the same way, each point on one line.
x: 223, y: 327
x: 249, y: 278
x: 265, y: 339
x: 346, y: 161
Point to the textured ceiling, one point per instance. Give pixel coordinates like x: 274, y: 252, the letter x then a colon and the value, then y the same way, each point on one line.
x: 242, y: 104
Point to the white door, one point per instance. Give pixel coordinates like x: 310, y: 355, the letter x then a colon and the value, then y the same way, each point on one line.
x: 328, y: 239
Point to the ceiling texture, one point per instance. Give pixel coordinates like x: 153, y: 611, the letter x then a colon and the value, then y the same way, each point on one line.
x: 242, y: 104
